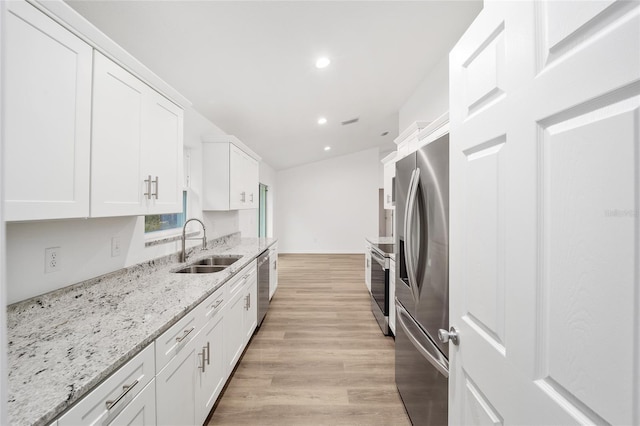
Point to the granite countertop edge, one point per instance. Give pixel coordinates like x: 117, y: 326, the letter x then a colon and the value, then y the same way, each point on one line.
x: 23, y: 411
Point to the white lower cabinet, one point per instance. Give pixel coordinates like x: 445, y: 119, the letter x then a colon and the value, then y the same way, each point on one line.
x: 392, y: 296
x: 141, y: 411
x: 242, y: 314
x: 367, y: 266
x: 191, y: 362
x: 175, y: 388
x: 273, y: 270
x: 212, y: 367
x: 109, y: 399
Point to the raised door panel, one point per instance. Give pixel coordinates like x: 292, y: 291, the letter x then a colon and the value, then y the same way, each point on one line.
x: 389, y: 174
x: 162, y: 151
x: 212, y: 378
x: 141, y: 411
x: 47, y: 107
x: 176, y: 389
x: 118, y: 101
x: 215, y: 176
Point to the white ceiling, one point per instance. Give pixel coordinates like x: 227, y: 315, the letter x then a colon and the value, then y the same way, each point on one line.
x: 249, y: 66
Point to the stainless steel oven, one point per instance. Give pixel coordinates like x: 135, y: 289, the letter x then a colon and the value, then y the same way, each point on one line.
x: 380, y: 288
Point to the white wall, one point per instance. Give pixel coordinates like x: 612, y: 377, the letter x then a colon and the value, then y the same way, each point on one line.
x: 329, y: 206
x: 430, y: 99
x: 86, y: 243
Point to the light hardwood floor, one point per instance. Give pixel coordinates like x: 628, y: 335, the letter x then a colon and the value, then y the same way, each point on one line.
x: 319, y: 357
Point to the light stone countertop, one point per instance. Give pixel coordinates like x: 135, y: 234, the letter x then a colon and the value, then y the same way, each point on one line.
x: 383, y: 240
x: 64, y: 343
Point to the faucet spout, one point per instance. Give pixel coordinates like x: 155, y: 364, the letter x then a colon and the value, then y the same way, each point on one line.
x: 183, y: 253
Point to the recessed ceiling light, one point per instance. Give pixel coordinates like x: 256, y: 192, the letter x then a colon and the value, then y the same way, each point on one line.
x: 322, y: 120
x: 327, y: 148
x: 322, y: 62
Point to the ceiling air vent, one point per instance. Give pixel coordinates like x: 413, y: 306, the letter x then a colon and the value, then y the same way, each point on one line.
x: 353, y: 120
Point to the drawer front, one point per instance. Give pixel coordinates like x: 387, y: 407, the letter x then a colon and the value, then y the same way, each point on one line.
x: 238, y: 282
x: 214, y: 304
x: 107, y: 400
x: 175, y: 339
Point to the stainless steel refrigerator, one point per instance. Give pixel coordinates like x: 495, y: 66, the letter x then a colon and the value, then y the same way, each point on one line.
x: 422, y: 281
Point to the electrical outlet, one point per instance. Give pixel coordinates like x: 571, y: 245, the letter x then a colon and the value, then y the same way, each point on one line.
x: 115, y: 246
x: 52, y: 261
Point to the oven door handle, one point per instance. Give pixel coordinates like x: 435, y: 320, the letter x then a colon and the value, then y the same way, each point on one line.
x: 379, y: 259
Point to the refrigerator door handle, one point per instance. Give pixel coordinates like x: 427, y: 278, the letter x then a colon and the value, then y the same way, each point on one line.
x: 438, y: 362
x: 408, y: 222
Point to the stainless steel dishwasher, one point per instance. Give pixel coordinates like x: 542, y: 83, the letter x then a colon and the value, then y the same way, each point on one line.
x: 263, y: 285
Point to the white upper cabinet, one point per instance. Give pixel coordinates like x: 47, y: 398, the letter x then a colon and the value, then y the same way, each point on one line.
x: 389, y: 173
x: 230, y: 174
x: 137, y: 140
x: 47, y: 107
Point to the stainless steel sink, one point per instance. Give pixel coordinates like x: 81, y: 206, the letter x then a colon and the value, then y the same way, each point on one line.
x: 218, y: 261
x: 200, y: 269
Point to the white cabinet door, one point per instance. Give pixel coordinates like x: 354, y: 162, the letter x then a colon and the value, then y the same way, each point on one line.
x: 162, y: 152
x: 176, y: 388
x: 234, y: 334
x: 273, y: 270
x: 389, y: 174
x: 141, y: 411
x: 237, y: 178
x: 545, y: 112
x: 392, y: 296
x: 230, y: 177
x: 137, y: 141
x: 367, y: 266
x: 251, y: 306
x: 118, y: 99
x: 212, y: 376
x: 252, y: 182
x: 47, y: 107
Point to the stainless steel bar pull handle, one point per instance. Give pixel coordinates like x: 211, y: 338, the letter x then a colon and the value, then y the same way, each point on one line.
x: 157, y: 183
x: 388, y: 198
x: 251, y: 197
x: 242, y: 196
x: 208, y: 348
x: 125, y: 390
x: 201, y: 355
x: 148, y: 182
x: 218, y: 302
x: 184, y: 335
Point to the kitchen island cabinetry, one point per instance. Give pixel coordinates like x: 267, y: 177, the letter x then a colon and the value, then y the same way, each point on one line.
x: 47, y: 107
x: 137, y: 138
x: 230, y: 175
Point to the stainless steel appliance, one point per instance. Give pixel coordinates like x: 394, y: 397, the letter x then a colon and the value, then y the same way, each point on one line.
x: 380, y: 285
x: 263, y: 285
x: 422, y: 281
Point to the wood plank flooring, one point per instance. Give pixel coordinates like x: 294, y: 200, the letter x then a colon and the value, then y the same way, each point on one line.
x: 319, y: 357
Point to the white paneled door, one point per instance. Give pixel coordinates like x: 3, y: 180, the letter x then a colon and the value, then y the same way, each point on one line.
x: 545, y: 215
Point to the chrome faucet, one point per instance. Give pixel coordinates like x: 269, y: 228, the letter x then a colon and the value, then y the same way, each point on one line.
x: 183, y: 254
